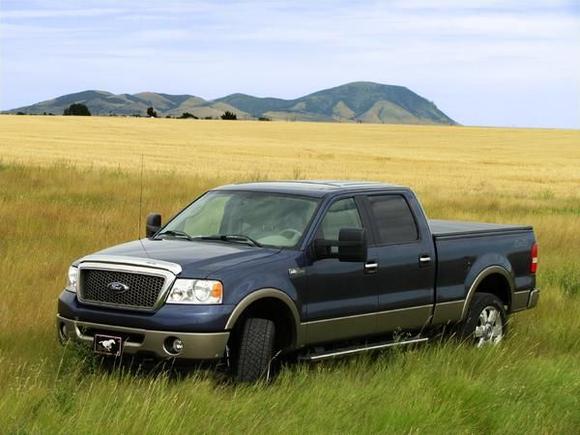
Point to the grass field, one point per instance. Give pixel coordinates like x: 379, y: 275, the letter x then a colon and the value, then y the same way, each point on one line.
x: 69, y: 186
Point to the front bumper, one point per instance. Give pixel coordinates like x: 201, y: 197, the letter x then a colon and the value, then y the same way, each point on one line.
x: 137, y: 341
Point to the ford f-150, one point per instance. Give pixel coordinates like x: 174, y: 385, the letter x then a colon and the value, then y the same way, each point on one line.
x: 317, y: 269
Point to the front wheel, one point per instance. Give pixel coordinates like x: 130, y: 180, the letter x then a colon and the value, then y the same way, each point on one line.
x: 485, y: 322
x: 256, y: 350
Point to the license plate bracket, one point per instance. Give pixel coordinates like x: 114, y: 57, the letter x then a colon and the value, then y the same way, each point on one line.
x: 108, y: 345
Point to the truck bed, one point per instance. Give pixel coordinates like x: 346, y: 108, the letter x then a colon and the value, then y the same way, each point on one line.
x: 445, y: 228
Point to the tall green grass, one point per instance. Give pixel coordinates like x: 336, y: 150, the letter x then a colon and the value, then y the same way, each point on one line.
x: 52, y: 215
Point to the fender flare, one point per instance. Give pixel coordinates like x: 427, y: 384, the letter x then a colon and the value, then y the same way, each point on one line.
x: 263, y: 294
x: 490, y: 270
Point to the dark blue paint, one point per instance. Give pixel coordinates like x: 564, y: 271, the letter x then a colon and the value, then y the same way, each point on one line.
x: 327, y: 288
x: 198, y: 259
x: 178, y: 318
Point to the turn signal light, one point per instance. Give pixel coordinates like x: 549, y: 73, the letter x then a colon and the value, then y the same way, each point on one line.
x: 217, y: 290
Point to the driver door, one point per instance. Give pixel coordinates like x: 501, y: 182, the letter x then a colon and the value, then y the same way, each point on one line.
x: 339, y: 294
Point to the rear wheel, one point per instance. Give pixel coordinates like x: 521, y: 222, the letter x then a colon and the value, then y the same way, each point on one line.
x: 255, y: 351
x: 485, y: 322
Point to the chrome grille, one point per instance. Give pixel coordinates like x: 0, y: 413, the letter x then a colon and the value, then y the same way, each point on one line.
x: 143, y: 293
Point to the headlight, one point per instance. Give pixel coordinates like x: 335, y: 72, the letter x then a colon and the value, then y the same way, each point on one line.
x: 73, y: 279
x: 196, y: 291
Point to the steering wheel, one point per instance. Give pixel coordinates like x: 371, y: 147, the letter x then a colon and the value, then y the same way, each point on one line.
x: 290, y: 233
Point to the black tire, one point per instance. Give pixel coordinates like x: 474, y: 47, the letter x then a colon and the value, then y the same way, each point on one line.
x: 470, y: 328
x: 255, y: 350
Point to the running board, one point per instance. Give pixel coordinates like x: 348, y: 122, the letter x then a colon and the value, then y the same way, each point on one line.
x: 352, y: 350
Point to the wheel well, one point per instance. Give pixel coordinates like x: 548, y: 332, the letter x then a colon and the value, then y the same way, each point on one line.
x: 497, y: 285
x: 275, y: 310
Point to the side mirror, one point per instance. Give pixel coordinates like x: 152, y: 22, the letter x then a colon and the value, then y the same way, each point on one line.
x: 153, y: 224
x: 351, y: 246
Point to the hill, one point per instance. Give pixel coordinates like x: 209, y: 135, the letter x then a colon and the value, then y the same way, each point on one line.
x: 105, y: 103
x: 353, y: 102
x: 359, y: 101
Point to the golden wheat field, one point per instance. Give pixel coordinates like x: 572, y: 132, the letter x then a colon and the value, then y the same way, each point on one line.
x: 70, y: 186
x: 525, y: 160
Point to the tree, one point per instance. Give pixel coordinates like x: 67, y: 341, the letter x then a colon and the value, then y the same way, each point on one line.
x: 229, y: 115
x: 151, y: 112
x: 186, y: 115
x: 77, y: 109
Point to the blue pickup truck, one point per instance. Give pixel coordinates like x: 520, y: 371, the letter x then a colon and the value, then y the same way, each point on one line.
x: 317, y: 269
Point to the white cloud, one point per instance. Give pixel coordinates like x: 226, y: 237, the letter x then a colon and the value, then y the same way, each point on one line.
x: 287, y: 48
x: 57, y: 13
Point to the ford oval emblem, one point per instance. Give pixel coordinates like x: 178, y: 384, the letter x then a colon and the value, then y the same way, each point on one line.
x: 118, y: 287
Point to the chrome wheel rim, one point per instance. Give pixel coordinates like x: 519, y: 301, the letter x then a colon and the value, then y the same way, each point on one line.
x: 489, y: 329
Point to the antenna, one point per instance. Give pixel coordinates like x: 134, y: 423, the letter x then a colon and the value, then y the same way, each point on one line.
x: 140, y: 200
x: 141, y: 208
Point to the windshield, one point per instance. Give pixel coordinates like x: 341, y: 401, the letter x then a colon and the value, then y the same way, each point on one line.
x: 267, y: 218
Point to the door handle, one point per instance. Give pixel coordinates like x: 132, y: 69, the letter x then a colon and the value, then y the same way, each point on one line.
x: 424, y: 260
x: 371, y: 266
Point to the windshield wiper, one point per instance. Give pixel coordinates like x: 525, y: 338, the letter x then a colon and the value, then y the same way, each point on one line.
x: 176, y: 233
x: 233, y: 238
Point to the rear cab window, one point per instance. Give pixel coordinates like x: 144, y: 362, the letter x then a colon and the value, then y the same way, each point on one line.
x: 393, y: 219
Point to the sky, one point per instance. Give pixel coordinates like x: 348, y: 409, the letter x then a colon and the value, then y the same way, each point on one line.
x: 492, y: 63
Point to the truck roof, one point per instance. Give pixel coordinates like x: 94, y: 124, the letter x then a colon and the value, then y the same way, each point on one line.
x: 315, y: 188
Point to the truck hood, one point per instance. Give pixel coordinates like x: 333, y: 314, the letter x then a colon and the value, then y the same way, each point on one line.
x: 197, y: 258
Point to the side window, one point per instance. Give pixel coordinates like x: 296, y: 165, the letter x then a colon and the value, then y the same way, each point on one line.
x: 342, y: 214
x: 393, y: 219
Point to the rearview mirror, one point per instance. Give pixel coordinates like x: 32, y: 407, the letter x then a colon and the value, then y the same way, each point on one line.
x: 153, y: 224
x: 351, y: 246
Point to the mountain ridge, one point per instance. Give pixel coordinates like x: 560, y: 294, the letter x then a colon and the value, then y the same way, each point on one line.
x: 351, y: 102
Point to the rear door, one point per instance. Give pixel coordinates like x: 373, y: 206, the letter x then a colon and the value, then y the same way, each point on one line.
x: 340, y: 295
x: 404, y: 258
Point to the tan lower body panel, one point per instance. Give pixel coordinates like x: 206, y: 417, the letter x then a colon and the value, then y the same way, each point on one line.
x: 448, y: 312
x: 342, y: 328
x: 405, y: 318
x: 198, y: 346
